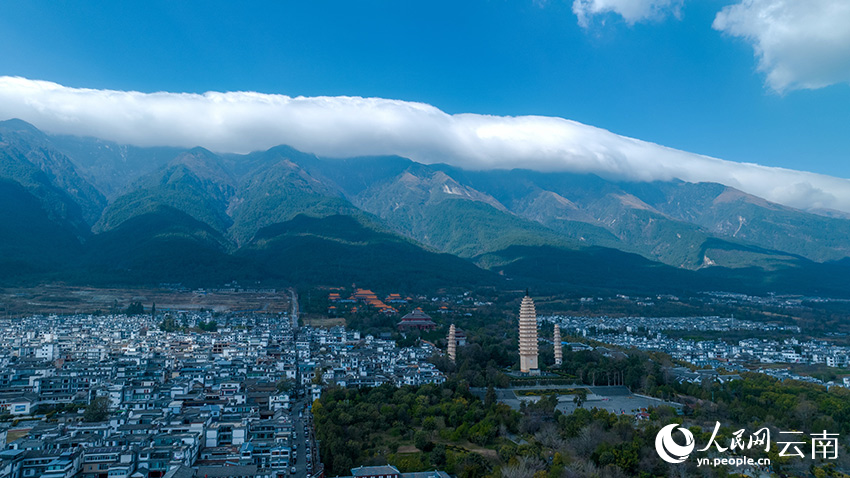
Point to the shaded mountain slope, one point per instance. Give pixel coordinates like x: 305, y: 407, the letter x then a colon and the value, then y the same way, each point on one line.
x: 28, y: 157
x: 339, y: 249
x: 161, y: 245
x: 31, y: 241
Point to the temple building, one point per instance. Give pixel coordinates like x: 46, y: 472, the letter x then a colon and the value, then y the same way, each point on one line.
x: 417, y: 320
x: 528, y: 336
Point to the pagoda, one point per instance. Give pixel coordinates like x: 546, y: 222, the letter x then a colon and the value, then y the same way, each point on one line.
x: 452, y: 339
x: 528, y: 336
x: 559, y: 352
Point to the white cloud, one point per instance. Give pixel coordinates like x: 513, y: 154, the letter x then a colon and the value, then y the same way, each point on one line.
x: 800, y: 44
x: 351, y: 126
x: 632, y: 11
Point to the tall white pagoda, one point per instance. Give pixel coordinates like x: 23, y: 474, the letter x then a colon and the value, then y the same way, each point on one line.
x: 527, y: 336
x: 559, y: 352
x: 452, y: 339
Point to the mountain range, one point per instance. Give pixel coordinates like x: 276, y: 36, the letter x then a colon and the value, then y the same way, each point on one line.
x: 84, y: 210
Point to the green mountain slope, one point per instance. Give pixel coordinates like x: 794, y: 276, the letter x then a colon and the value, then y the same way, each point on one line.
x: 31, y: 241
x: 277, y: 190
x: 433, y: 208
x: 565, y: 217
x: 340, y: 249
x: 727, y: 212
x: 161, y: 245
x: 194, y: 182
x: 553, y: 269
x: 632, y: 217
x: 28, y: 158
x: 472, y: 212
x: 353, y: 176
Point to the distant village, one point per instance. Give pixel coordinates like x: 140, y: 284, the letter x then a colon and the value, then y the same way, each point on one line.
x: 646, y: 333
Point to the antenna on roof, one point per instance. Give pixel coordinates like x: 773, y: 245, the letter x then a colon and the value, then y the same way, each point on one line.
x: 526, y: 292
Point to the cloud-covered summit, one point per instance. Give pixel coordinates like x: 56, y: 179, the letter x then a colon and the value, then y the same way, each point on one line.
x: 352, y: 126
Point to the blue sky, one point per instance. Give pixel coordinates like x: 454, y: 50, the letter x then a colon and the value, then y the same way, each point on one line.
x: 670, y: 78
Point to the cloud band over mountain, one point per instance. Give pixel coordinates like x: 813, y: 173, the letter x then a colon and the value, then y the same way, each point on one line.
x: 354, y: 126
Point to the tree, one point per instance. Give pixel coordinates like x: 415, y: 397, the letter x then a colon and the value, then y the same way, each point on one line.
x: 438, y: 456
x: 580, y: 398
x: 168, y: 324
x: 490, y: 396
x: 420, y: 440
x: 523, y: 467
x: 136, y: 308
x: 97, y: 410
x: 429, y: 423
x: 284, y: 385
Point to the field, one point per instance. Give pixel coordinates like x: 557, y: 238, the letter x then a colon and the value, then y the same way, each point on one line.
x: 314, y: 320
x: 60, y: 299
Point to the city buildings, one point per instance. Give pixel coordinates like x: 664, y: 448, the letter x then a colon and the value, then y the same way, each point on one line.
x: 117, y: 397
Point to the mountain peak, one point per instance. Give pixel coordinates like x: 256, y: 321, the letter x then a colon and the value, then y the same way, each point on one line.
x: 732, y: 194
x: 16, y: 124
x: 204, y: 164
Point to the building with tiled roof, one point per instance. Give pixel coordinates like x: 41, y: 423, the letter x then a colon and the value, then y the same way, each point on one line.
x: 460, y: 336
x: 389, y: 471
x: 395, y: 299
x: 364, y: 294
x: 417, y: 320
x: 386, y: 471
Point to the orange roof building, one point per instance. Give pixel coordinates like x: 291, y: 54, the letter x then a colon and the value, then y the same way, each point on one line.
x: 395, y: 298
x: 364, y: 294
